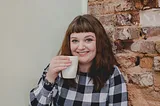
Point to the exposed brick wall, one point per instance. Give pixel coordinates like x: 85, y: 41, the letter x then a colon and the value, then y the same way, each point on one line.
x: 134, y: 28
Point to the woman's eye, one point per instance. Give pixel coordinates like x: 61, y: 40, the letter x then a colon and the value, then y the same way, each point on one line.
x: 89, y: 40
x: 74, y: 41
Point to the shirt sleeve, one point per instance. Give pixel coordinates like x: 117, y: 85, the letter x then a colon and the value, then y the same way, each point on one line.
x: 43, y: 94
x: 118, y: 95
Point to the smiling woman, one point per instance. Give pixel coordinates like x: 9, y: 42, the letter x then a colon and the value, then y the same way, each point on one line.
x: 99, y: 81
x: 83, y: 45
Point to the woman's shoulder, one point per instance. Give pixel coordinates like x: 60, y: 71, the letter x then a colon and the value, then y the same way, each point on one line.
x: 116, y: 71
x: 117, y: 76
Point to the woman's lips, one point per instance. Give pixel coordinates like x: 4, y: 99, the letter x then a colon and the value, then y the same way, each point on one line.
x: 82, y: 53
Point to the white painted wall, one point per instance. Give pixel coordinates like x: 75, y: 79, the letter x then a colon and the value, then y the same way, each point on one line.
x: 31, y: 32
x: 84, y: 6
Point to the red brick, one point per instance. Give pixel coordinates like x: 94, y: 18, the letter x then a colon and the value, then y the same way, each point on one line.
x: 127, y: 18
x: 157, y: 81
x: 127, y: 33
x: 138, y: 4
x: 157, y: 63
x: 142, y: 4
x: 126, y: 59
x: 118, y: 5
x: 135, y: 96
x: 151, y: 96
x: 146, y: 62
x: 120, y: 19
x: 108, y: 19
x: 157, y: 46
x: 96, y: 8
x: 150, y: 31
x: 110, y: 30
x: 141, y: 76
x: 143, y: 46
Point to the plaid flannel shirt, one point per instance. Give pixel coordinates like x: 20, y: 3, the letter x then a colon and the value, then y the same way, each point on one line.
x: 114, y: 93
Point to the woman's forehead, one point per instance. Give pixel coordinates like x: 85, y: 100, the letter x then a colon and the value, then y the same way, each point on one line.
x: 83, y: 34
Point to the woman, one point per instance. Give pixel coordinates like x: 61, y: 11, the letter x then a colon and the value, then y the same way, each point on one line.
x: 99, y: 81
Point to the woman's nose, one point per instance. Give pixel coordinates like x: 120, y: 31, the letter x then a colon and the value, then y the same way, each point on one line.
x: 81, y: 45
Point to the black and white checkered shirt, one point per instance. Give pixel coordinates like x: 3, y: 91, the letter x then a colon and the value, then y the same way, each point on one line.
x: 114, y: 93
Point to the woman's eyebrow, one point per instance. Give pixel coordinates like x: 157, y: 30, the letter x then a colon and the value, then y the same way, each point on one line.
x: 73, y: 37
x: 89, y: 36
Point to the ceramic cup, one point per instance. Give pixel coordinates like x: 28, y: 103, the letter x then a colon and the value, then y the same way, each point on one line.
x: 71, y: 71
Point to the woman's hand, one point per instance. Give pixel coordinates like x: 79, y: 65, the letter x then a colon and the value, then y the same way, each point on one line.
x: 57, y: 64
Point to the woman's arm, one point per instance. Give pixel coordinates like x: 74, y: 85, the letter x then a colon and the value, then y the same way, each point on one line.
x: 118, y: 95
x: 43, y: 94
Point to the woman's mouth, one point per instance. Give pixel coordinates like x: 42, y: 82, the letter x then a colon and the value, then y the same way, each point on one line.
x: 82, y: 53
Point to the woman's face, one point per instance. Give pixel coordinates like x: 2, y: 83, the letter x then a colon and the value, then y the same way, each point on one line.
x: 83, y: 45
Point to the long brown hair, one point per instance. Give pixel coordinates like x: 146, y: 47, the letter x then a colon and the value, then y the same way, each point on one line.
x: 104, y: 61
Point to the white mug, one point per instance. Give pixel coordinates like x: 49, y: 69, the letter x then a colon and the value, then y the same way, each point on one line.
x: 71, y: 71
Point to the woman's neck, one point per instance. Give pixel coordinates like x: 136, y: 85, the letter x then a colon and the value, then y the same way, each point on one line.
x: 84, y: 67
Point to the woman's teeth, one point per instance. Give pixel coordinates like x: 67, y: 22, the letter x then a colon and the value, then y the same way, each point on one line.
x: 83, y: 53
